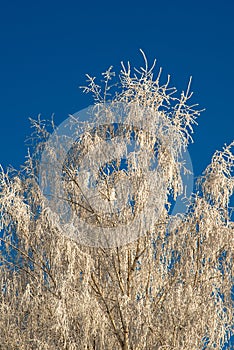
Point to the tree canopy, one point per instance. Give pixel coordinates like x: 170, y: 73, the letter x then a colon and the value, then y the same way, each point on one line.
x: 93, y: 256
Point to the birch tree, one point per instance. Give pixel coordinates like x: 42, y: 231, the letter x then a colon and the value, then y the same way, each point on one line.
x: 103, y: 264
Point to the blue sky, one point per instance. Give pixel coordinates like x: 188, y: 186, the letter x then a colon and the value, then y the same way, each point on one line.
x: 48, y: 46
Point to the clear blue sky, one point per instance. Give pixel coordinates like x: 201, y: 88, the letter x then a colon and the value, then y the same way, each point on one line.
x: 48, y: 46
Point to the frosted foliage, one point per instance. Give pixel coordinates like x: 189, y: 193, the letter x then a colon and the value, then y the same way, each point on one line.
x: 169, y: 287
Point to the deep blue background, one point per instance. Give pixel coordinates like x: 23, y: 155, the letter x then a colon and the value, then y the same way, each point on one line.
x: 48, y: 46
